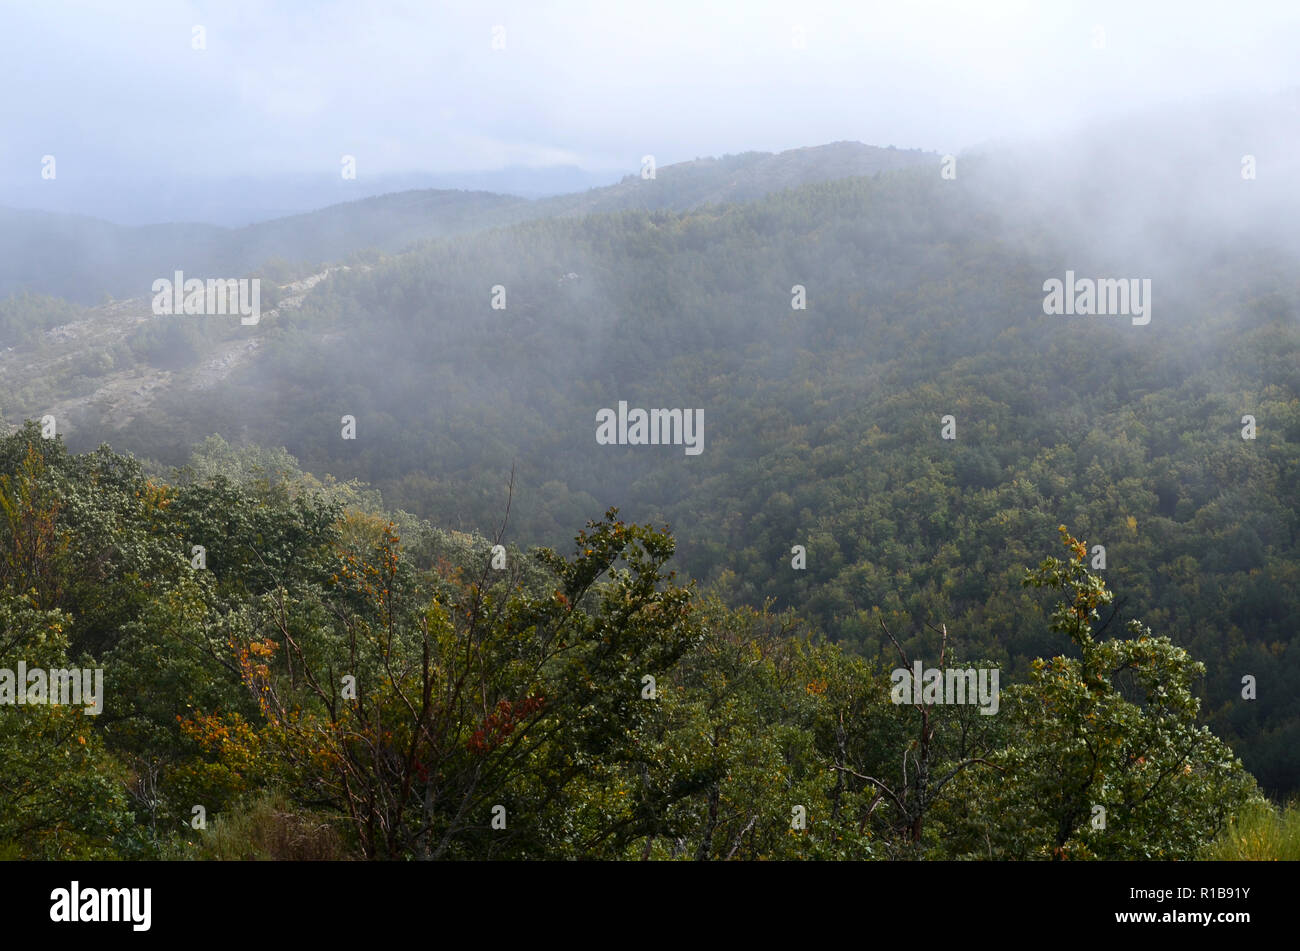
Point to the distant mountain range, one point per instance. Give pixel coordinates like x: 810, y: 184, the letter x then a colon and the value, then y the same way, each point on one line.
x: 236, y: 201
x: 83, y: 259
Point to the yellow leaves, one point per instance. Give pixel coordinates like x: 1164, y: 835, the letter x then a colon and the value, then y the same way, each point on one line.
x: 816, y: 687
x: 1132, y: 524
x: 1077, y: 547
x: 156, y: 495
x: 262, y: 648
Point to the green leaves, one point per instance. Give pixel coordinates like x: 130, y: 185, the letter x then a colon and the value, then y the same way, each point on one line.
x: 1115, y: 727
x: 402, y: 688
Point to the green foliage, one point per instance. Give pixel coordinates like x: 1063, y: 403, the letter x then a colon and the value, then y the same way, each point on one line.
x: 1259, y: 832
x: 167, y: 343
x: 270, y: 828
x: 1114, y: 728
x: 823, y: 424
x: 24, y: 317
x: 62, y: 795
x: 324, y: 689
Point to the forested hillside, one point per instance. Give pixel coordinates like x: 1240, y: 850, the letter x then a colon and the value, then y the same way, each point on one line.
x: 289, y: 673
x: 823, y: 427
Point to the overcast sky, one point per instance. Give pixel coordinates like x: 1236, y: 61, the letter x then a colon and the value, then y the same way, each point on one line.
x: 116, y: 92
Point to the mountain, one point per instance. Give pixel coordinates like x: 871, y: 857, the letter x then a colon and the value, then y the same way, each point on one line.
x: 234, y: 202
x: 83, y: 259
x: 923, y: 306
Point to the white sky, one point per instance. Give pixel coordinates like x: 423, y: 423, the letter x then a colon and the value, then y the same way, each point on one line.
x: 115, y: 88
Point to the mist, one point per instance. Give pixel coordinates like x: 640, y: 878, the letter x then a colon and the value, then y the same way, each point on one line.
x: 327, y: 328
x: 440, y: 91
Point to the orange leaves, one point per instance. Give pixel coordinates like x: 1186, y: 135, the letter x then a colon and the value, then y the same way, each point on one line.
x: 156, y: 495
x: 218, y: 733
x: 236, y: 747
x: 254, y: 670
x: 1078, y: 548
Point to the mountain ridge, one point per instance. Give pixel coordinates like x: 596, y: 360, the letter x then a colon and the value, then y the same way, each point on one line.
x: 82, y: 259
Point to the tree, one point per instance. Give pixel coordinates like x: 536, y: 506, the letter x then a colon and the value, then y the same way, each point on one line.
x: 415, y: 714
x: 1107, y: 759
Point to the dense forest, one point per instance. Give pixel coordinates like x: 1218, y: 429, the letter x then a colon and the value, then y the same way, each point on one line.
x: 290, y: 673
x: 327, y: 562
x: 823, y: 426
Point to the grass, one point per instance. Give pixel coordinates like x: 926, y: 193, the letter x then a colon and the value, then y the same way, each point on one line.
x: 265, y: 830
x: 1261, y: 832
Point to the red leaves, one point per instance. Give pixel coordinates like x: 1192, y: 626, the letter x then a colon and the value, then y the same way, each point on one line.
x: 499, y: 725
